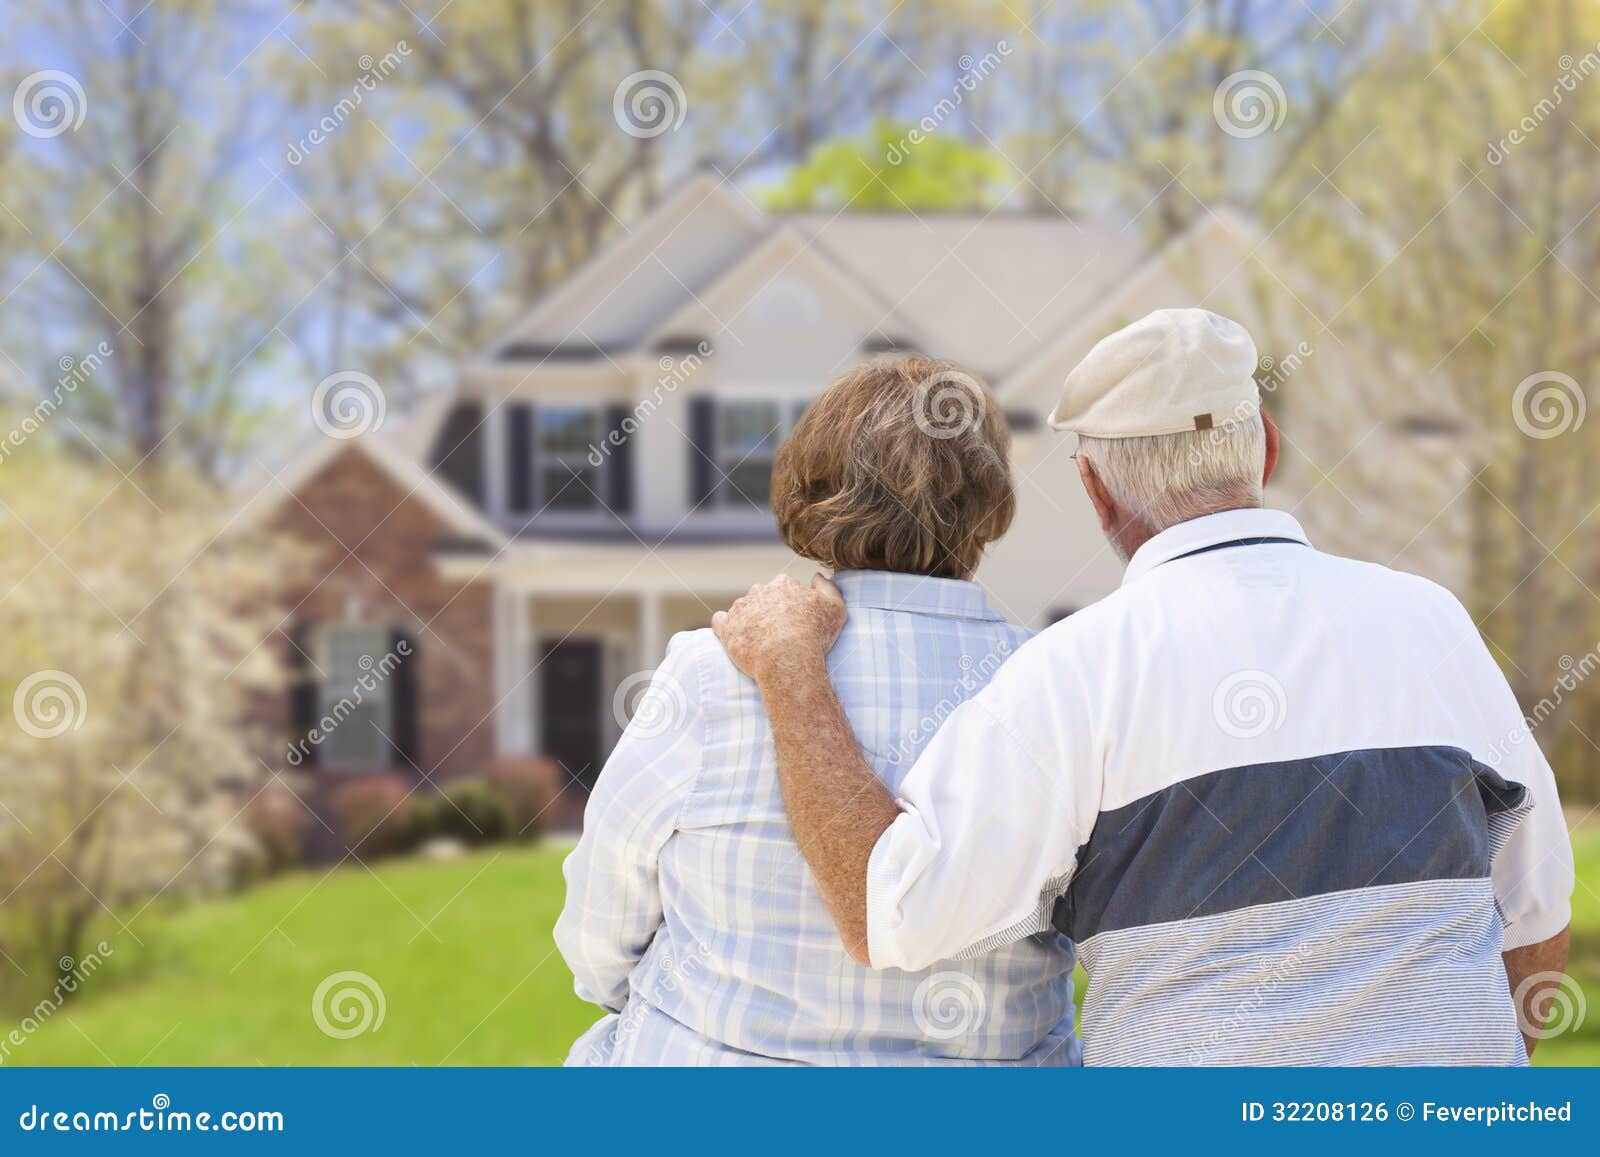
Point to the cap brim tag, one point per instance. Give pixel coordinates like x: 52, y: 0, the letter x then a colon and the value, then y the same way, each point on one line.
x: 1202, y: 422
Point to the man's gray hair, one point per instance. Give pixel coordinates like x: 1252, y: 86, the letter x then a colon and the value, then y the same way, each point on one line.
x: 1165, y: 479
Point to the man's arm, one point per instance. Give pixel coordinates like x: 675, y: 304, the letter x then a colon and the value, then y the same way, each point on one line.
x: 1535, y: 972
x: 837, y: 807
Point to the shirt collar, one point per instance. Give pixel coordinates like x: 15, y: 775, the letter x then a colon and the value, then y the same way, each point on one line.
x: 1211, y: 530
x: 917, y: 593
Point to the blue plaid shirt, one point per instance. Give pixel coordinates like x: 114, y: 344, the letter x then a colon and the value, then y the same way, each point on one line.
x: 691, y: 916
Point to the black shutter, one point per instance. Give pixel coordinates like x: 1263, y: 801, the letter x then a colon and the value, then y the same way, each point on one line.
x: 703, y: 444
x: 619, y: 468
x: 519, y: 457
x: 457, y: 454
x: 303, y: 694
x: 403, y: 699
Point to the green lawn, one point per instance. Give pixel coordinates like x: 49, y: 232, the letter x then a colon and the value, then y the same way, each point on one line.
x: 462, y: 952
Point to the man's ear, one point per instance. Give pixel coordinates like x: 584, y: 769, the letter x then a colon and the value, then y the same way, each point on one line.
x: 1271, y: 429
x: 1104, y: 505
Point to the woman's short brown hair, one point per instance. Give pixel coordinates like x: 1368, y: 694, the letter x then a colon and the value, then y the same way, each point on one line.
x: 903, y: 464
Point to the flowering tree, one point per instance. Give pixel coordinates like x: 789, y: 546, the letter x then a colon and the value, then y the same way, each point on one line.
x: 134, y: 616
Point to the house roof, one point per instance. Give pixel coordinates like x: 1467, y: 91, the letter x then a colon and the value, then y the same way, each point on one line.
x: 993, y: 288
x: 989, y: 288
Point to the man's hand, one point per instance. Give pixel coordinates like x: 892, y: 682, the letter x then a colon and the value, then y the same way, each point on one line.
x: 780, y: 625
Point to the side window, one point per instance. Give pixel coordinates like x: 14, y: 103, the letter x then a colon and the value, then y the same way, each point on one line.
x: 364, y: 718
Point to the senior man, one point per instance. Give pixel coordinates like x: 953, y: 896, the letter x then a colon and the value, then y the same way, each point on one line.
x: 1284, y: 802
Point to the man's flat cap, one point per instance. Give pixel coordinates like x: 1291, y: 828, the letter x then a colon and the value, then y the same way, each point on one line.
x: 1172, y: 370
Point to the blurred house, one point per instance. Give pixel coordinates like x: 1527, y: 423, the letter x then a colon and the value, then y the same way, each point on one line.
x: 599, y: 478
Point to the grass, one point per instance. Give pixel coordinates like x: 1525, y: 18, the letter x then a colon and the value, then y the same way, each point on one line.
x: 462, y: 952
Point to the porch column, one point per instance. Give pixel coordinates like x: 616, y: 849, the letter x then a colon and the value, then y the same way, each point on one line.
x: 650, y: 645
x: 515, y: 684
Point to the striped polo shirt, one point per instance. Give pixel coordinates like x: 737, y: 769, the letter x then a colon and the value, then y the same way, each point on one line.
x: 1284, y: 802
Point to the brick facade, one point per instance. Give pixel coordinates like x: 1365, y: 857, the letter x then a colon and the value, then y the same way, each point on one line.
x: 372, y: 545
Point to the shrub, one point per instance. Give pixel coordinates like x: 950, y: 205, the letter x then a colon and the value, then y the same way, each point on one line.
x: 472, y: 811
x: 276, y: 822
x: 378, y: 817
x: 529, y: 785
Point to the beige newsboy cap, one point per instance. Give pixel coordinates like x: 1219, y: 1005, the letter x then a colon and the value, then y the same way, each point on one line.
x: 1172, y: 370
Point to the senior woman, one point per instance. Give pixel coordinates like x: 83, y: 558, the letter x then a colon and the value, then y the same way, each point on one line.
x: 691, y: 916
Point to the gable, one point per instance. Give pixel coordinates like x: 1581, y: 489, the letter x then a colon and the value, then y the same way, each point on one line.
x: 785, y: 309
x: 659, y: 263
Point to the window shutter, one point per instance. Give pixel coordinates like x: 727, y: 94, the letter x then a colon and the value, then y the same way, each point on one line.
x: 703, y: 444
x: 403, y: 699
x: 519, y: 457
x: 303, y: 691
x: 619, y: 467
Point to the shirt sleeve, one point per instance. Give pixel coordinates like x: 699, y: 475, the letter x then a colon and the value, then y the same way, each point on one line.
x: 613, y: 904
x: 992, y: 815
x: 1532, y: 867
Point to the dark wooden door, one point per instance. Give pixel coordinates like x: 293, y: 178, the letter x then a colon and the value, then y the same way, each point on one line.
x: 570, y: 672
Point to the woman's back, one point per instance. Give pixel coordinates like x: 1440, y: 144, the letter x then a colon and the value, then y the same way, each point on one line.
x: 744, y: 962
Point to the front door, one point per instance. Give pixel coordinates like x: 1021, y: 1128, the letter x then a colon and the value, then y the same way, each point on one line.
x: 570, y: 672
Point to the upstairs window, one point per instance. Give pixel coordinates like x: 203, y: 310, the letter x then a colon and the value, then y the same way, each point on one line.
x: 567, y: 479
x: 748, y: 434
x: 735, y: 443
x: 549, y: 451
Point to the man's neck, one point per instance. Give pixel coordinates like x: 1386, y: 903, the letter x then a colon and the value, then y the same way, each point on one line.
x: 1133, y: 533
